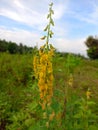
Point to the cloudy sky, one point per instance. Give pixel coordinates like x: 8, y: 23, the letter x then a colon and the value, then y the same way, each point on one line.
x: 23, y: 21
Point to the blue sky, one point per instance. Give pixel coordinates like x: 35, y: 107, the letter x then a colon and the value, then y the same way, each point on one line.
x: 23, y: 21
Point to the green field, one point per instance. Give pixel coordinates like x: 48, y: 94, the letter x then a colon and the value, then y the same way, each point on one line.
x: 19, y: 95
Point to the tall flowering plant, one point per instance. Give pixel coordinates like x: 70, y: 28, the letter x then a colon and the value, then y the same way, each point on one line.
x: 42, y: 64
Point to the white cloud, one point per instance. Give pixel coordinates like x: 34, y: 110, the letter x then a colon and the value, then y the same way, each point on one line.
x: 59, y: 10
x: 75, y: 46
x: 34, y: 13
x: 18, y: 4
x: 17, y: 35
x: 23, y: 14
x: 30, y: 12
x: 90, y: 18
x: 94, y: 14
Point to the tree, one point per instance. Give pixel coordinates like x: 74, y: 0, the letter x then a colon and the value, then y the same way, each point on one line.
x: 3, y: 45
x: 12, y: 48
x: 21, y: 48
x: 92, y: 44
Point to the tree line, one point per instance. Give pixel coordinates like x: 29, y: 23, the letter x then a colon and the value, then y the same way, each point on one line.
x: 13, y: 48
x: 91, y: 42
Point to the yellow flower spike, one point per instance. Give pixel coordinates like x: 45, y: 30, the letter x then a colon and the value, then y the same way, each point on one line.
x: 48, y: 98
x: 47, y: 124
x: 44, y: 115
x: 43, y: 66
x: 41, y: 96
x: 51, y: 78
x: 43, y: 106
x: 48, y: 104
x: 88, y: 94
x: 51, y: 116
x: 70, y: 81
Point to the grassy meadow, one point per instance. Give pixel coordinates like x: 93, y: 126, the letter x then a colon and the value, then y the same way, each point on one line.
x: 19, y: 94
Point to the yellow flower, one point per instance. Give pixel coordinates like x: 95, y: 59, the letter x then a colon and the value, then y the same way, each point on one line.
x: 44, y: 73
x: 41, y: 88
x: 51, y: 91
x: 88, y: 94
x: 48, y: 98
x: 46, y: 86
x: 44, y: 58
x: 41, y: 74
x: 48, y: 104
x: 41, y: 82
x: 51, y: 116
x: 41, y: 96
x: 47, y: 124
x: 44, y: 115
x: 70, y: 81
x: 51, y: 53
x: 44, y: 69
x: 43, y: 106
x: 51, y: 78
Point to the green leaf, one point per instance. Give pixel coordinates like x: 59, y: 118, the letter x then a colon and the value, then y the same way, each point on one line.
x: 91, y: 103
x: 50, y: 33
x: 29, y: 122
x: 51, y: 21
x: 42, y: 38
x: 37, y: 126
x: 51, y: 46
x: 50, y: 36
x: 51, y: 4
x: 52, y: 12
x: 33, y: 105
x: 48, y: 16
x: 46, y: 28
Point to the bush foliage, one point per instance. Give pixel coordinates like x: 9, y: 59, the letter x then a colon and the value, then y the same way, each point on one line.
x: 92, y: 44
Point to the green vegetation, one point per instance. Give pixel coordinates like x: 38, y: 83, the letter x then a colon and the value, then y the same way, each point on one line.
x: 19, y: 95
x: 31, y: 98
x: 13, y: 48
x: 92, y: 44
